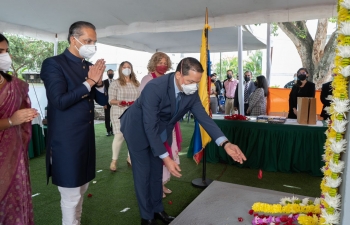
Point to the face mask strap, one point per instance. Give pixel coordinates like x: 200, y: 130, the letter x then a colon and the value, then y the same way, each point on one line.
x: 77, y: 40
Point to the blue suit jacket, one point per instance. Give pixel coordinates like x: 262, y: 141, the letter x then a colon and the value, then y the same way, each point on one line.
x: 71, y: 137
x: 153, y: 112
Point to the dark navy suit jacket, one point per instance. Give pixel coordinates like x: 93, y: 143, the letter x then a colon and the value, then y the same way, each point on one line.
x: 71, y: 137
x: 153, y: 113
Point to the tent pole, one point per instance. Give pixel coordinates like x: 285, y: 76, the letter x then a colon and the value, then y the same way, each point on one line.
x: 220, y: 75
x: 268, y: 54
x: 55, y: 46
x: 240, y: 71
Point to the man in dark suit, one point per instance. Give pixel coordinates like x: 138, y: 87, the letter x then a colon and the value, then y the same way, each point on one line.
x: 107, y: 108
x: 148, y: 124
x: 72, y: 84
x: 249, y: 88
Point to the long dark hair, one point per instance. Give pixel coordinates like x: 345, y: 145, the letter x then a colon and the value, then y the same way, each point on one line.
x: 8, y: 77
x: 262, y: 83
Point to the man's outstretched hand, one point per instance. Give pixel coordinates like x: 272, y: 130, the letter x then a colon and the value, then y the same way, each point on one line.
x: 235, y: 152
x: 172, y: 166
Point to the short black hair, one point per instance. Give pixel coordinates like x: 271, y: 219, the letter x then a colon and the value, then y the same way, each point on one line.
x: 248, y: 71
x: 229, y: 71
x: 187, y: 64
x: 110, y: 70
x: 262, y: 83
x: 8, y: 77
x: 75, y: 29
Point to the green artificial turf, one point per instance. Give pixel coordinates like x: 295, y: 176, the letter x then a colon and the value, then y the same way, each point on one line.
x: 113, y: 192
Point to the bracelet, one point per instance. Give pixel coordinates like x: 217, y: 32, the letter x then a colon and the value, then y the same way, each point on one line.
x: 91, y: 79
x: 225, y: 143
x: 10, y: 122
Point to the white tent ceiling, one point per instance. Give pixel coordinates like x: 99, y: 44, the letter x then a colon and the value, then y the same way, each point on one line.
x: 163, y: 25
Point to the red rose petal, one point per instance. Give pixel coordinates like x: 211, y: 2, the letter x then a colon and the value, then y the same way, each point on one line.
x: 251, y: 212
x: 170, y: 202
x: 240, y: 219
x: 89, y: 195
x: 260, y: 174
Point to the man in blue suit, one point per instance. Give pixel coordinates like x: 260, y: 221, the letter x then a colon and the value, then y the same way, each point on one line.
x: 72, y: 84
x: 149, y: 122
x: 249, y: 88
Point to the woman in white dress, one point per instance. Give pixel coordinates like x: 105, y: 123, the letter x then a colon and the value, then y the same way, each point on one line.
x: 122, y: 93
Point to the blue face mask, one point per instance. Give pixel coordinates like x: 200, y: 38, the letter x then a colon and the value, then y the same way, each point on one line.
x: 295, y: 78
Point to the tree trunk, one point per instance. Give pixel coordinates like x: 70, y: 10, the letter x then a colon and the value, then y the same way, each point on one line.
x: 320, y: 41
x: 324, y: 67
x: 14, y: 73
x: 300, y: 36
x: 315, y: 55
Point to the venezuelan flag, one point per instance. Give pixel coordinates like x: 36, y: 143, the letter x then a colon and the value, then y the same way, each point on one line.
x: 201, y: 137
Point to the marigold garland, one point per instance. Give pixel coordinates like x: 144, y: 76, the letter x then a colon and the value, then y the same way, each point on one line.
x: 334, y: 146
x: 330, y: 204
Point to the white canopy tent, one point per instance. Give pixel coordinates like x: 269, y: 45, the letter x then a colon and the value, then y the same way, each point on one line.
x: 163, y: 25
x: 157, y: 24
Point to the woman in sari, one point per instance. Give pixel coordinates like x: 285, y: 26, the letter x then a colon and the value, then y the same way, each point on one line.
x: 15, y: 132
x: 158, y: 65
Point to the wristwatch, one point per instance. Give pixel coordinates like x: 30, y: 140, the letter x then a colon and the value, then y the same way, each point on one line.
x: 225, y: 143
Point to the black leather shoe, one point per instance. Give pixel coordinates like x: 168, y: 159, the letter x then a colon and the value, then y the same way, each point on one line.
x: 108, y: 134
x: 163, y: 216
x: 148, y: 222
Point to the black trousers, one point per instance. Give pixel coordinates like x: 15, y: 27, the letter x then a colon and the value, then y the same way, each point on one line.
x: 108, y: 119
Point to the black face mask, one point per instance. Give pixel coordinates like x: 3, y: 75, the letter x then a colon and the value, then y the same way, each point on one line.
x: 256, y: 84
x: 246, y: 79
x: 212, y: 80
x: 229, y: 76
x: 110, y: 76
x: 302, y: 77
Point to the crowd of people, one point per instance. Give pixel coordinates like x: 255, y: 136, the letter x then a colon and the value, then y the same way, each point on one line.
x: 256, y: 92
x: 254, y: 97
x: 145, y: 114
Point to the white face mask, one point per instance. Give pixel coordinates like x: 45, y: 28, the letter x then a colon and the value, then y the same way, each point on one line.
x: 189, y: 89
x: 86, y: 51
x: 126, y: 71
x: 5, y: 62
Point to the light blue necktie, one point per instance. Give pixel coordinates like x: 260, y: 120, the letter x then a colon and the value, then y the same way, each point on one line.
x: 178, y: 98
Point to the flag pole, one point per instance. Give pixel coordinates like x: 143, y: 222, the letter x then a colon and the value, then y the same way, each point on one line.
x: 204, y: 182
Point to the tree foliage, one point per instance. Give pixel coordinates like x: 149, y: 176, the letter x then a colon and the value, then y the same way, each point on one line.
x: 28, y: 53
x: 253, y: 64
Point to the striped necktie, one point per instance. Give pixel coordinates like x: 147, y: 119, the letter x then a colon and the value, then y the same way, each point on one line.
x: 246, y: 92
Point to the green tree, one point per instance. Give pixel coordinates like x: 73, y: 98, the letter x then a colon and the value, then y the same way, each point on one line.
x: 229, y: 63
x: 254, y: 63
x: 29, y: 53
